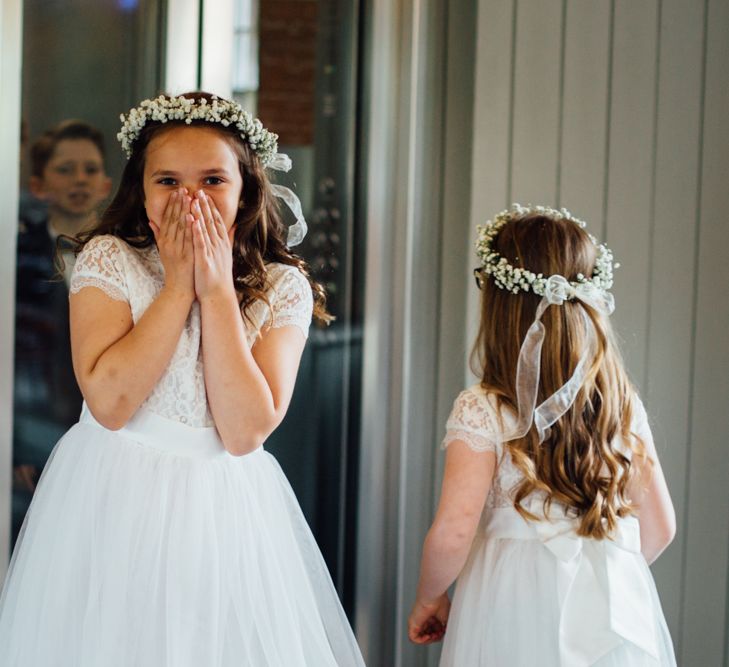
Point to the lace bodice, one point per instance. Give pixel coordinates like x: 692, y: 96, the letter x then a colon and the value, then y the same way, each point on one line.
x: 477, y: 421
x: 136, y: 276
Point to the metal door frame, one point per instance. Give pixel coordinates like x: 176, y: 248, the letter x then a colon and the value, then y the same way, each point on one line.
x: 11, y: 31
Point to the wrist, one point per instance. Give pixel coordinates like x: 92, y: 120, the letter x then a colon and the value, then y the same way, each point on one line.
x: 427, y: 598
x: 220, y: 294
x: 181, y: 294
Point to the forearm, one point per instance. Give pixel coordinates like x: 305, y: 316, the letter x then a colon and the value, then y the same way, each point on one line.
x: 126, y: 373
x: 445, y: 552
x: 239, y: 396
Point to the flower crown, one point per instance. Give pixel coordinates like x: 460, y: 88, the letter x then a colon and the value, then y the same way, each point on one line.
x: 165, y: 108
x: 516, y: 279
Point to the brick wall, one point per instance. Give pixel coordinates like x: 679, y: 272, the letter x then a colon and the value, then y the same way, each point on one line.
x: 287, y: 61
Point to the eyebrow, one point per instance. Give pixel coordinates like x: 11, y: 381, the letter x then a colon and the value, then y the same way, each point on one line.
x: 83, y: 161
x: 205, y: 172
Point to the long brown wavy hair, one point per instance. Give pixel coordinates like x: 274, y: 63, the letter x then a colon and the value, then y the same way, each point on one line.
x: 259, y: 233
x: 580, y: 465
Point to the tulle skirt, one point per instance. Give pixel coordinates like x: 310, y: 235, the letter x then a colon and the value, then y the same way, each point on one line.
x: 152, y: 546
x: 516, y: 604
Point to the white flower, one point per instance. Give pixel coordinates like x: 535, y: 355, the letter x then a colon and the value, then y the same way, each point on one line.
x: 163, y: 109
x: 515, y: 279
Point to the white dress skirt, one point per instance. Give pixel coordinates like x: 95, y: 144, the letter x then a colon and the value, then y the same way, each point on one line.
x: 535, y: 593
x: 152, y: 546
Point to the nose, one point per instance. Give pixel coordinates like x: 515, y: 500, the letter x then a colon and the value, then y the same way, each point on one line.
x: 191, y: 188
x: 80, y: 174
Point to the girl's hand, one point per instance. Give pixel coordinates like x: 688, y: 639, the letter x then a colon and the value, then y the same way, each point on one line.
x: 174, y: 242
x: 428, y: 619
x: 213, y: 249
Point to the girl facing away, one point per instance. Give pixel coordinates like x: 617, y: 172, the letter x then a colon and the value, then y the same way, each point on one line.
x: 553, y: 501
x: 161, y: 532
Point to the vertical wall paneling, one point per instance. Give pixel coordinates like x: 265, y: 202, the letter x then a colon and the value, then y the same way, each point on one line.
x: 404, y: 129
x: 705, y: 588
x: 537, y: 86
x: 584, y: 109
x: 630, y: 175
x: 422, y: 210
x: 642, y: 154
x: 667, y: 345
x: 491, y: 135
x: 456, y: 249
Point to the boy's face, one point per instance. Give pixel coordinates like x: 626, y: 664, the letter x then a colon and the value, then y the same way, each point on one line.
x: 74, y: 181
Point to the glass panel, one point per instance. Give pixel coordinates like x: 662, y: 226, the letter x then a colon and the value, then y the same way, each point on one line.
x: 85, y: 60
x: 306, y: 94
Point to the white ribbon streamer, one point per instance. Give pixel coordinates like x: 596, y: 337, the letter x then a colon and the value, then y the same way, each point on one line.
x: 297, y: 231
x: 557, y: 290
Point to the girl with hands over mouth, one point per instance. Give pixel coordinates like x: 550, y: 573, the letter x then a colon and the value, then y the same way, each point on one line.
x: 176, y: 537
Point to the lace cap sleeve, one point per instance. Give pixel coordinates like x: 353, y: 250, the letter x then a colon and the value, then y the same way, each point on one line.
x: 292, y: 302
x: 472, y: 422
x: 100, y: 265
x: 639, y: 423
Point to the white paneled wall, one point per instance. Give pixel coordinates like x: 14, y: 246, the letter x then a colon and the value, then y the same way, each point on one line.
x: 618, y: 110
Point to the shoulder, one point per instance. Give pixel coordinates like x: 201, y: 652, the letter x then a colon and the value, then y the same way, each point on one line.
x: 288, y: 288
x: 475, y: 420
x: 477, y: 398
x: 290, y: 297
x: 282, y: 277
x: 101, y: 263
x: 103, y: 246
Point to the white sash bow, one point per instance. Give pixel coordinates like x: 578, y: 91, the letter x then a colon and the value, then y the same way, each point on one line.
x: 604, y: 597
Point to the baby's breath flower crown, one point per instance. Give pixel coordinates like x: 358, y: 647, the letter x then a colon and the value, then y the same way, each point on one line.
x: 515, y: 279
x: 165, y: 108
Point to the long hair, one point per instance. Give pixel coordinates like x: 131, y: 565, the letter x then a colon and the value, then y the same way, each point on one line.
x: 580, y: 465
x: 259, y: 233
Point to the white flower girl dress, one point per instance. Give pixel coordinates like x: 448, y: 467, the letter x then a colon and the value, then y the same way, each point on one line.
x: 535, y: 593
x: 152, y: 546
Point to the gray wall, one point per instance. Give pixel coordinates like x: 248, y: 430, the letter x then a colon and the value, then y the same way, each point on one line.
x: 416, y: 137
x: 618, y: 111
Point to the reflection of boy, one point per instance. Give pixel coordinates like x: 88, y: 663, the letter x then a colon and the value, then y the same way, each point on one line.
x: 67, y: 173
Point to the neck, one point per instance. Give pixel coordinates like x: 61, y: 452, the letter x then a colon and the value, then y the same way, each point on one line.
x: 70, y: 225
